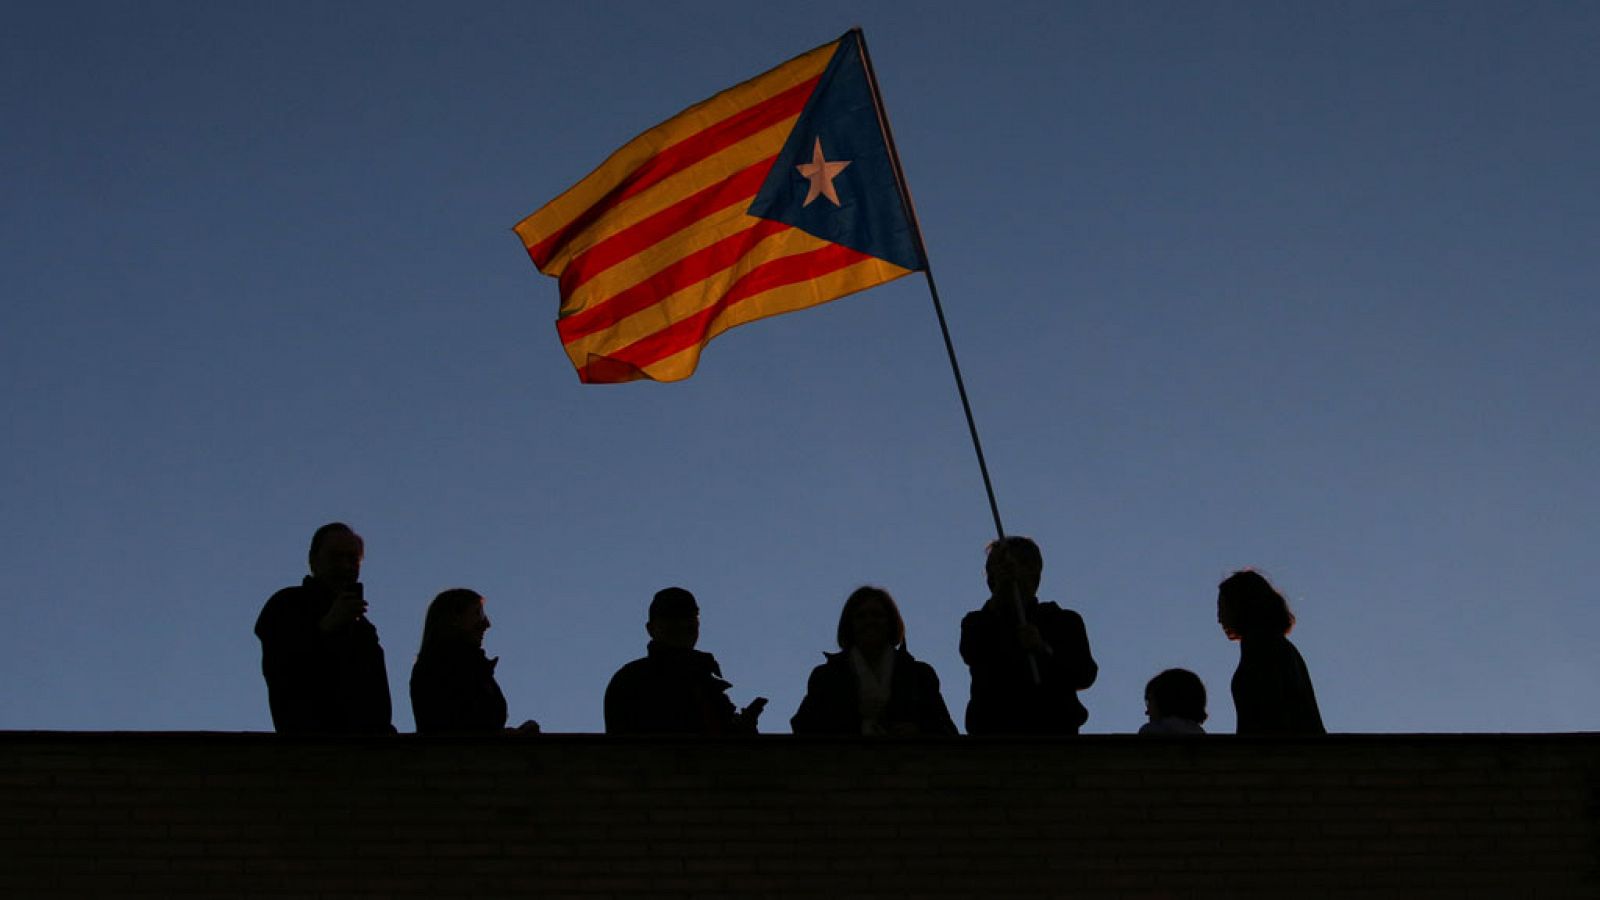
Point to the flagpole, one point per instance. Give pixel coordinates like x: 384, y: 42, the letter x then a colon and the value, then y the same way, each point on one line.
x: 927, y: 271
x: 938, y: 309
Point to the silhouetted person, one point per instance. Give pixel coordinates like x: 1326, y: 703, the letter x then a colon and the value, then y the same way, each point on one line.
x: 320, y: 655
x: 1175, y: 701
x: 872, y: 685
x: 675, y: 689
x: 453, y: 689
x: 1028, y: 659
x: 1272, y: 691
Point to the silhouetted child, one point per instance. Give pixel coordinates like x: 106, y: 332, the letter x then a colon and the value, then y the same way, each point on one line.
x: 1028, y: 659
x: 872, y: 685
x: 1272, y: 691
x: 453, y: 688
x: 1175, y: 701
x: 675, y: 689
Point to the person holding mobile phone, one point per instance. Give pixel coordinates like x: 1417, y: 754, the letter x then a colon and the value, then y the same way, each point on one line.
x: 320, y: 655
x: 674, y: 688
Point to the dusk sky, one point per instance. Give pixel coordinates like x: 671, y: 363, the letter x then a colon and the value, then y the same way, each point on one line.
x: 1305, y: 287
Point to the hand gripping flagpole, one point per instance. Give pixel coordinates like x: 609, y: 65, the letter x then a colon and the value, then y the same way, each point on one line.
x: 938, y: 309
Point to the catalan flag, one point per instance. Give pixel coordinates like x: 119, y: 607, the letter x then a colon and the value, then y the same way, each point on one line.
x: 772, y: 196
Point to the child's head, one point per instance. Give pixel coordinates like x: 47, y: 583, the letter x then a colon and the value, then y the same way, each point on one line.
x: 1176, y: 692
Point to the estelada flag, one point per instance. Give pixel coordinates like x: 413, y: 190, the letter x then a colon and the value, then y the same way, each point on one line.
x: 772, y: 196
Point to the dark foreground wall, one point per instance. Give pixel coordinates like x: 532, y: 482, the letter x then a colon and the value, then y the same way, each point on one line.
x: 584, y: 816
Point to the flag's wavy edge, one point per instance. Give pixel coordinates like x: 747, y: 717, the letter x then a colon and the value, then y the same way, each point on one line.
x: 654, y: 252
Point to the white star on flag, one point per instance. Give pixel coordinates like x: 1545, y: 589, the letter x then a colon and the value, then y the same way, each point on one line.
x: 820, y: 172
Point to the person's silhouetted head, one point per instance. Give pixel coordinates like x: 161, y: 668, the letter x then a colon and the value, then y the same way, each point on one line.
x: 871, y: 621
x: 336, y: 553
x: 1249, y: 606
x: 1176, y: 692
x: 674, y: 619
x: 455, y: 618
x: 1014, y: 560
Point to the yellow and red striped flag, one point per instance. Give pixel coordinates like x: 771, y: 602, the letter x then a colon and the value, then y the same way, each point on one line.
x: 772, y: 196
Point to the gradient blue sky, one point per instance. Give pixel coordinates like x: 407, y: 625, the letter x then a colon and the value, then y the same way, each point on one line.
x: 1307, y: 287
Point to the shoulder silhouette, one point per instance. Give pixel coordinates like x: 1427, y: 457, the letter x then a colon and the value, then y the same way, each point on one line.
x: 1028, y: 659
x: 872, y: 686
x: 1272, y: 692
x: 453, y: 688
x: 320, y: 655
x: 674, y: 688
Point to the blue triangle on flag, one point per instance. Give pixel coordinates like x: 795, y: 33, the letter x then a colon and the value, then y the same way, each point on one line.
x: 870, y: 216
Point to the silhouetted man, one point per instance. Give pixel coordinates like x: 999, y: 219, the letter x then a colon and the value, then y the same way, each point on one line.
x: 1028, y: 659
x: 320, y: 655
x: 675, y: 689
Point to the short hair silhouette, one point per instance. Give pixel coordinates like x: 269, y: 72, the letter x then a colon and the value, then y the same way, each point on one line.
x: 860, y: 597
x: 445, y: 608
x: 321, y: 535
x: 673, y: 603
x: 1018, y: 548
x: 1249, y: 606
x: 1178, y: 692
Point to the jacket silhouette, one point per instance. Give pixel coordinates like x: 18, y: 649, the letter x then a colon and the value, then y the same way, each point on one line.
x: 1272, y: 692
x: 321, y: 683
x: 671, y: 690
x: 453, y: 690
x: 832, y: 702
x: 1005, y: 698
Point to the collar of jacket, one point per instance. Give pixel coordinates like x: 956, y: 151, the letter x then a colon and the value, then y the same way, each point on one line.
x: 697, y: 660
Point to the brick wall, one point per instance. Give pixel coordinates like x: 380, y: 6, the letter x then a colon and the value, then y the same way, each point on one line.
x: 587, y: 816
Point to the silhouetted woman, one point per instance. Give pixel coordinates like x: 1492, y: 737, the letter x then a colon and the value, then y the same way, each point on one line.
x: 452, y: 684
x: 1272, y: 691
x: 872, y: 685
